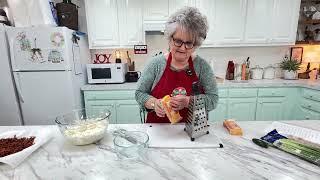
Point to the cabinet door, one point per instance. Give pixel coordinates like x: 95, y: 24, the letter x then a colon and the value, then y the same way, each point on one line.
x: 308, y: 114
x: 258, y: 20
x: 155, y: 9
x: 220, y: 113
x: 207, y: 7
x: 242, y: 109
x: 94, y: 106
x: 130, y: 22
x: 102, y: 19
x: 285, y: 21
x: 174, y: 5
x: 128, y: 112
x: 229, y: 21
x: 271, y: 108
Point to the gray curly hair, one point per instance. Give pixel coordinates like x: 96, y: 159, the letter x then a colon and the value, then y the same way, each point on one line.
x: 191, y: 20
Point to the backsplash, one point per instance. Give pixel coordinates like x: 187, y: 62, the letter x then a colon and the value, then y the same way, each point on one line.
x: 217, y: 57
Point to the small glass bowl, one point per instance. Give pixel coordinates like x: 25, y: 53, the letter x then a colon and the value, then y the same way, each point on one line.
x: 84, y: 126
x: 127, y: 149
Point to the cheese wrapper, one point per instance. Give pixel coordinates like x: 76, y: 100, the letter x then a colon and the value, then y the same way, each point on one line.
x: 232, y: 127
x: 173, y: 116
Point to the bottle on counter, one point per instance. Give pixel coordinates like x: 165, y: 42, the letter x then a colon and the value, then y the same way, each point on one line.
x: 243, y: 71
x: 230, y: 71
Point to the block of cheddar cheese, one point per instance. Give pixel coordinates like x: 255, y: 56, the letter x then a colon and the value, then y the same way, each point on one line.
x: 173, y: 116
x: 232, y: 127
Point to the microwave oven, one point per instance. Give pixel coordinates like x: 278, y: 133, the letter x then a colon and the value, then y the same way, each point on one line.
x: 107, y: 73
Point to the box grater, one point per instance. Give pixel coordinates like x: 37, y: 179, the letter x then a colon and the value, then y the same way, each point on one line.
x: 197, y: 119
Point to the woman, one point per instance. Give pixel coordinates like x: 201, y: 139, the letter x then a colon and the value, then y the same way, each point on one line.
x: 185, y: 30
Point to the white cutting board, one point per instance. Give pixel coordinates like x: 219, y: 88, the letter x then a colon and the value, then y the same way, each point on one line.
x: 174, y: 137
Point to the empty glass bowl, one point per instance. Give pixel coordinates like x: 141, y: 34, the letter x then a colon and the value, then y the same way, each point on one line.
x: 84, y: 126
x: 133, y: 145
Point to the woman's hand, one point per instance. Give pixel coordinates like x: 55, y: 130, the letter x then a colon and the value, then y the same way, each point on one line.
x: 179, y: 102
x: 158, y: 108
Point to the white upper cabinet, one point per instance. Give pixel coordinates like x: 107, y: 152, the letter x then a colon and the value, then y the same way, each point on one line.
x: 285, y: 21
x: 207, y: 7
x: 114, y: 23
x: 155, y: 9
x: 229, y: 21
x: 174, y: 5
x: 102, y: 21
x: 121, y: 23
x: 258, y: 21
x: 130, y: 22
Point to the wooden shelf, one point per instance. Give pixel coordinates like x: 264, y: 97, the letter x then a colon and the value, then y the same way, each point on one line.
x: 312, y: 21
x: 308, y: 42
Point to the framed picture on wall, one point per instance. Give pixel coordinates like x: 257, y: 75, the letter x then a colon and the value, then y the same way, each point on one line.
x: 296, y: 54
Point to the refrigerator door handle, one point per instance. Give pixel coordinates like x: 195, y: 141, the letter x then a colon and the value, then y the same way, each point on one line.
x: 19, y: 91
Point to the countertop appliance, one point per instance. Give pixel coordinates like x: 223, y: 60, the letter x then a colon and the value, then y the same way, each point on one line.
x: 133, y: 76
x: 107, y: 73
x: 47, y: 74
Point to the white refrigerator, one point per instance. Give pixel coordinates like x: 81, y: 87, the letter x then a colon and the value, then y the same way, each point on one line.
x: 47, y: 72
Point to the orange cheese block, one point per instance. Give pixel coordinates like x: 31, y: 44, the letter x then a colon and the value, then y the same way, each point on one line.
x: 232, y: 127
x: 172, y: 115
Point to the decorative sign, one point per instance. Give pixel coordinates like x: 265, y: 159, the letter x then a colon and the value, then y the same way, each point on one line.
x: 102, y: 59
x: 140, y: 49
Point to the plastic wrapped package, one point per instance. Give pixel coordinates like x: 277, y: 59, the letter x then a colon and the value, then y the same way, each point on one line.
x: 28, y: 13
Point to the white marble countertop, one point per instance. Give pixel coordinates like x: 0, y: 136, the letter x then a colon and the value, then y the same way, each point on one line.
x: 225, y: 84
x: 239, y: 159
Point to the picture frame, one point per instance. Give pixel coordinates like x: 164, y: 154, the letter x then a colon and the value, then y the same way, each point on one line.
x: 296, y: 53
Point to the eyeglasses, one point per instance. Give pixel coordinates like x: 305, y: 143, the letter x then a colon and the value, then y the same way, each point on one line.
x: 179, y: 43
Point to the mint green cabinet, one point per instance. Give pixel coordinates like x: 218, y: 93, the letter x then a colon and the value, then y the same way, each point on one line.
x: 307, y: 114
x: 94, y: 106
x: 242, y: 104
x: 309, y: 104
x: 122, y: 105
x: 221, y: 112
x: 271, y: 108
x: 128, y: 112
x: 242, y: 109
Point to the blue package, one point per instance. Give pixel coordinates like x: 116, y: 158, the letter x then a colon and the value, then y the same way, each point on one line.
x: 272, y: 136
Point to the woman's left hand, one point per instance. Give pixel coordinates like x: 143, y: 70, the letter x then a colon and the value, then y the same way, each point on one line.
x: 179, y: 102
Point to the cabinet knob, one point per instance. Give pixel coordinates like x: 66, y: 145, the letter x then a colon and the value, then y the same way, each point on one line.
x: 310, y: 96
x: 307, y: 117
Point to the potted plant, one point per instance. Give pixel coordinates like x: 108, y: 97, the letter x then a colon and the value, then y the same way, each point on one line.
x: 290, y: 67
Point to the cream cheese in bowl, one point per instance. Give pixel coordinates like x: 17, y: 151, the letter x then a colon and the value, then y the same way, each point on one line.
x: 83, y: 126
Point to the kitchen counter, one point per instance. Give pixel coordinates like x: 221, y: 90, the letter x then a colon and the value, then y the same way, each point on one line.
x: 239, y: 159
x: 225, y: 84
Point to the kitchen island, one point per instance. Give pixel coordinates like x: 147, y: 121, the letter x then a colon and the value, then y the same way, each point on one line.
x: 239, y: 159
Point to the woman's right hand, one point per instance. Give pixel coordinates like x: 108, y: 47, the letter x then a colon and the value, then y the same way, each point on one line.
x: 158, y: 108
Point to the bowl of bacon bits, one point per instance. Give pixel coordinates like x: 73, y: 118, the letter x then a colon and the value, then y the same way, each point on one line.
x: 14, y: 144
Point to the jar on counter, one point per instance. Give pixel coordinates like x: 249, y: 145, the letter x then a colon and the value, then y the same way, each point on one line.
x: 269, y: 72
x: 256, y: 72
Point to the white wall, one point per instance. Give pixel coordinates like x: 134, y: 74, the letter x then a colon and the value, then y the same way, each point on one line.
x: 219, y: 57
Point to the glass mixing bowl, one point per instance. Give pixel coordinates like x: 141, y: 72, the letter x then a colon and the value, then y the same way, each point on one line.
x: 133, y: 145
x: 84, y: 126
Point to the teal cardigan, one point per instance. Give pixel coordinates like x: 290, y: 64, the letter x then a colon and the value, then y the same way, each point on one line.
x: 154, y: 70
